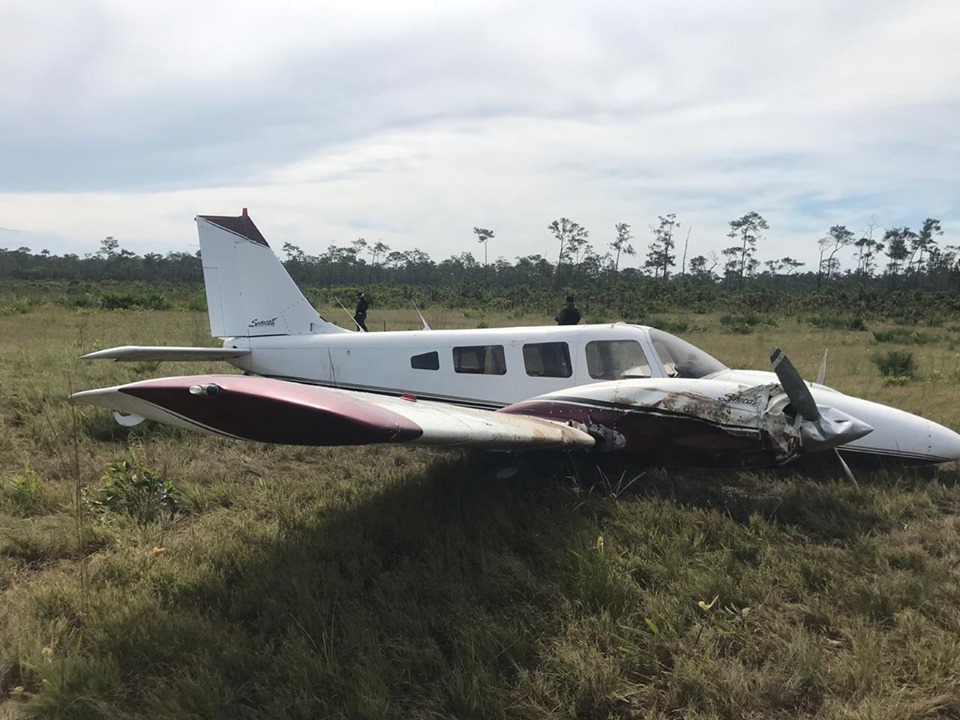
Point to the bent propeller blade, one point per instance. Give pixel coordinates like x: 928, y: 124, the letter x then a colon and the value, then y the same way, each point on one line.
x: 794, y: 386
x: 823, y: 427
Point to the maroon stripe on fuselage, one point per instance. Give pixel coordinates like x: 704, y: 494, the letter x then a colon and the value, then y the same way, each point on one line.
x: 277, y: 412
x: 664, y: 438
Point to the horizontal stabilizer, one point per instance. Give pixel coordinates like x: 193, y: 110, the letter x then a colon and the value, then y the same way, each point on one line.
x: 146, y: 353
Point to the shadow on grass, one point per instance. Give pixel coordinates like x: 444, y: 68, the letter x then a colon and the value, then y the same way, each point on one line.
x: 814, y: 498
x: 424, y: 597
x: 430, y: 594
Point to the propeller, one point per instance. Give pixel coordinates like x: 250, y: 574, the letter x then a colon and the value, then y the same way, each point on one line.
x: 794, y: 386
x: 819, y: 430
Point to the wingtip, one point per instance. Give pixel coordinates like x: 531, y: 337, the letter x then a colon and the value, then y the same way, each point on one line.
x: 108, y: 354
x: 95, y: 396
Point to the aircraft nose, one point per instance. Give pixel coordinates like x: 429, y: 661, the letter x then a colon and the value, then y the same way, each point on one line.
x: 855, y: 429
x: 834, y: 427
x: 943, y: 442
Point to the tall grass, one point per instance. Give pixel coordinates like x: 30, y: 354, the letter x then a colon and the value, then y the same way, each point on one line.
x: 338, y: 582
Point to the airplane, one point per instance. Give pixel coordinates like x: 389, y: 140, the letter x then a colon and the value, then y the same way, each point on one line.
x: 611, y: 388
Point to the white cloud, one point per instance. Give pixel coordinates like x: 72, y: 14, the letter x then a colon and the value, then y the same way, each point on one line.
x: 414, y: 122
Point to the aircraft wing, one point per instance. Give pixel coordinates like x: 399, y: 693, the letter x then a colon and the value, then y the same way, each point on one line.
x: 146, y: 353
x: 276, y: 411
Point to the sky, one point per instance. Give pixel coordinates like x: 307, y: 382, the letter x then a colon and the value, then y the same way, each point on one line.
x: 411, y: 123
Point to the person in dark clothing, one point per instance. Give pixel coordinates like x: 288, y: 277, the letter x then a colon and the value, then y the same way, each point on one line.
x: 360, y: 316
x: 569, y: 315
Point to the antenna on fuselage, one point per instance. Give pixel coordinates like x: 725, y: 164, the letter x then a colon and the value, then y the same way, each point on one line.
x: 352, y: 318
x: 822, y: 373
x: 426, y: 325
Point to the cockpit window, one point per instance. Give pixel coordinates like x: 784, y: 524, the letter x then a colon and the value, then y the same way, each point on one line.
x: 681, y: 359
x: 616, y: 359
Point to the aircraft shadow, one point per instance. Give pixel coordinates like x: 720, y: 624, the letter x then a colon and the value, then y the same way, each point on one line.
x: 431, y: 593
x: 814, y: 497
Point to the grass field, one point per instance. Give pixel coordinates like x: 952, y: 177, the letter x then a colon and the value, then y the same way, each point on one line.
x: 157, y: 573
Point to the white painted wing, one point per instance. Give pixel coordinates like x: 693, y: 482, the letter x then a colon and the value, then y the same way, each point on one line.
x: 147, y: 353
x: 276, y: 411
x: 451, y: 425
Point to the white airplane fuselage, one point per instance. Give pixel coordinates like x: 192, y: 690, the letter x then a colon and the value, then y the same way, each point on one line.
x: 483, y: 367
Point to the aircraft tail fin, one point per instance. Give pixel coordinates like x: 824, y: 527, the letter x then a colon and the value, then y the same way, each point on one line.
x: 249, y: 292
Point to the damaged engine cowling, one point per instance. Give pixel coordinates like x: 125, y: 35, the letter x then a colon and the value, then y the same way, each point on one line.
x: 697, y: 422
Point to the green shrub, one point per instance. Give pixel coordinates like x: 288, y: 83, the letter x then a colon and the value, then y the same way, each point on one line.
x: 677, y: 327
x: 145, y: 368
x: 895, y: 365
x: 81, y: 300
x: 901, y: 336
x: 117, y: 300
x: 125, y: 300
x: 25, y: 493
x: 17, y: 307
x: 744, y: 323
x: 826, y: 321
x: 896, y: 379
x: 131, y: 489
x: 856, y: 324
x: 198, y: 302
x: 738, y: 321
x: 154, y: 301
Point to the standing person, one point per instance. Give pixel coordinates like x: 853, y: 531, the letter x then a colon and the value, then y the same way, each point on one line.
x: 360, y: 316
x: 569, y: 315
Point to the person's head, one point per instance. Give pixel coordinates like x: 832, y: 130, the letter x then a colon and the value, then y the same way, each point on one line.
x: 359, y: 294
x: 569, y: 299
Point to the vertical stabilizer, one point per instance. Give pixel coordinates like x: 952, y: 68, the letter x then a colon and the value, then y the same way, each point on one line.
x: 249, y: 292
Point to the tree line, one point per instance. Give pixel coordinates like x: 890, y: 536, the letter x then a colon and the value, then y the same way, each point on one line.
x: 899, y: 257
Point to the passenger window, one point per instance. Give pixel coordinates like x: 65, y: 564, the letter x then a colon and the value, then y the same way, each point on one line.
x: 616, y: 359
x: 427, y: 361
x: 480, y: 360
x: 547, y: 360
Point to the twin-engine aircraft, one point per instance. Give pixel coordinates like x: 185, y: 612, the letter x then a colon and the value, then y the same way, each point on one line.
x: 596, y: 388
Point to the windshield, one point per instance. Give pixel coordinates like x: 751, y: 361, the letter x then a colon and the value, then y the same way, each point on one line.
x: 681, y: 359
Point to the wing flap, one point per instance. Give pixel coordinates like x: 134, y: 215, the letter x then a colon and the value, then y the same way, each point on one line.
x: 277, y: 411
x: 146, y: 353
